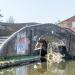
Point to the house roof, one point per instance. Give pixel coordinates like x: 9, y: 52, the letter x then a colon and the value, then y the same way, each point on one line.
x: 69, y: 19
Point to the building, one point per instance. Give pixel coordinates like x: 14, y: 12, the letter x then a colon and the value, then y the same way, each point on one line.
x: 68, y: 23
x: 9, y: 28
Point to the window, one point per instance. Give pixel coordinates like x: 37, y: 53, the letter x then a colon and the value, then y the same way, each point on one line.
x: 73, y: 24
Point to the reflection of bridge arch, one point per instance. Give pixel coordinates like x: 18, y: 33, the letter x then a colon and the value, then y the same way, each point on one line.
x: 23, y: 40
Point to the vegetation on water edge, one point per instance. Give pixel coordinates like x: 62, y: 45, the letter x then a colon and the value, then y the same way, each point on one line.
x: 16, y: 57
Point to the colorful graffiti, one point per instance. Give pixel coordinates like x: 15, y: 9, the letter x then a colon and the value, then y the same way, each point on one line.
x: 22, y: 43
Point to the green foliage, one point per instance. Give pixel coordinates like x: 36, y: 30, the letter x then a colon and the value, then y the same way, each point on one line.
x: 15, y: 57
x: 5, y: 33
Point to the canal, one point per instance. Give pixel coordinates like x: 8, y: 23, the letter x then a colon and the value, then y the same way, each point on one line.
x: 45, y: 68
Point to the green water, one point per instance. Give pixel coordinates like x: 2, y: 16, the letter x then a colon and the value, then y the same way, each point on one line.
x: 63, y: 68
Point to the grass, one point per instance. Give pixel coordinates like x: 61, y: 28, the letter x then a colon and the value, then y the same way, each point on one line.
x: 3, y: 58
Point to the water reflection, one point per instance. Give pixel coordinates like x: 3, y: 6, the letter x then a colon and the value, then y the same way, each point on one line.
x: 21, y: 70
x: 41, y: 69
x: 62, y: 68
x: 57, y: 68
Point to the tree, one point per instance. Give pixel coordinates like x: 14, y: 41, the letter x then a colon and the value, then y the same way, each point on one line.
x: 0, y: 16
x: 10, y: 20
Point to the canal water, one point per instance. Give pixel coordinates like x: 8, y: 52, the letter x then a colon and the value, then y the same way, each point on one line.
x: 45, y: 68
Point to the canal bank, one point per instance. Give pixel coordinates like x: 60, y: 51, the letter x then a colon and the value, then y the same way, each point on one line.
x: 17, y: 61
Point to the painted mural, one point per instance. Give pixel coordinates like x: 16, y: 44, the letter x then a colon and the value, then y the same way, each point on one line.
x: 22, y: 43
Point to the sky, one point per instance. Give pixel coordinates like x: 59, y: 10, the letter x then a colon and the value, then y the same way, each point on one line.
x: 41, y: 11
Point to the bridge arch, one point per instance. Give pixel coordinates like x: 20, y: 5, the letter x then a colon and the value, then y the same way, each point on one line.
x: 23, y: 41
